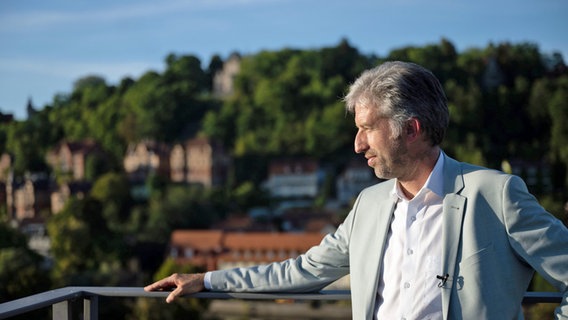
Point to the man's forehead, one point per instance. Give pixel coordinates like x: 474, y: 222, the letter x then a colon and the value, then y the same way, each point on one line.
x: 366, y: 108
x: 365, y: 113
x: 362, y: 107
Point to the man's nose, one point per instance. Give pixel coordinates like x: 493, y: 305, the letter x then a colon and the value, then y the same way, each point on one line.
x: 360, y: 142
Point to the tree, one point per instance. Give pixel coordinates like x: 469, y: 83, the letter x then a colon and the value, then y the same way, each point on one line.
x: 280, y: 99
x: 438, y: 58
x: 184, y: 76
x: 558, y: 110
x: 90, y: 91
x: 102, y: 123
x: 182, y: 207
x: 161, y: 107
x: 147, y: 109
x: 26, y: 144
x: 85, y: 250
x: 21, y: 272
x: 112, y: 191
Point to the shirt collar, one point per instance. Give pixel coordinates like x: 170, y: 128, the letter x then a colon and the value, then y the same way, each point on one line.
x: 434, y: 183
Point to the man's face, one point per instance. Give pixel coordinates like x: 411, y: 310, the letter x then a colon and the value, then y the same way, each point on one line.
x: 386, y: 154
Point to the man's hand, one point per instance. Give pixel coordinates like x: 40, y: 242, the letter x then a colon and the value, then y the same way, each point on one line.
x: 181, y: 283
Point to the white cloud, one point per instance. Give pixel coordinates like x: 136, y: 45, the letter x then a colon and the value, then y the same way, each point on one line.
x: 135, y: 10
x: 111, y: 71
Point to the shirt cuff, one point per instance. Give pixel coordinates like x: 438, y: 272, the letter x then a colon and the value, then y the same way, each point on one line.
x: 207, y: 280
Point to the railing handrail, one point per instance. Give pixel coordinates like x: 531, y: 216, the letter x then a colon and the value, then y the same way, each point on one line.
x: 52, y: 297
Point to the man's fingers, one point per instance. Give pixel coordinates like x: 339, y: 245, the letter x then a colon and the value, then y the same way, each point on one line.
x: 181, y: 283
x: 177, y: 292
x: 151, y: 287
x: 160, y: 285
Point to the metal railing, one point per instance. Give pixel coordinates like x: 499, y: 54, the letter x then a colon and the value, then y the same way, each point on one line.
x: 62, y: 308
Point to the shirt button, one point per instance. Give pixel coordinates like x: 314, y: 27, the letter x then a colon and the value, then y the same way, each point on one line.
x: 406, y: 285
x: 413, y: 218
x: 409, y: 251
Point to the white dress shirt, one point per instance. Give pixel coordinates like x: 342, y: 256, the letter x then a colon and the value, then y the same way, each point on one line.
x: 408, y: 286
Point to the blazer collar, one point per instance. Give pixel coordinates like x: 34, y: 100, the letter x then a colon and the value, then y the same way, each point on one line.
x: 453, y: 177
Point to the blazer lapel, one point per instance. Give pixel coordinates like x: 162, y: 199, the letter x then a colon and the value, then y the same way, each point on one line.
x: 372, y: 241
x: 452, y: 219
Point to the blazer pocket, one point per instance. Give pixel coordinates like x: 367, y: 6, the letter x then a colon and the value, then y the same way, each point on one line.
x: 477, y: 271
x: 477, y: 256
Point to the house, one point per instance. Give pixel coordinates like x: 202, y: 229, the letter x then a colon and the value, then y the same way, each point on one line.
x: 5, y: 166
x: 196, y: 247
x: 145, y: 158
x: 200, y: 161
x: 31, y: 197
x: 65, y: 191
x: 242, y: 222
x: 355, y: 177
x: 38, y: 238
x: 70, y: 157
x: 252, y: 248
x: 219, y: 250
x: 308, y: 220
x: 207, y: 162
x: 215, y: 249
x: 223, y: 80
x: 178, y: 163
x: 293, y: 178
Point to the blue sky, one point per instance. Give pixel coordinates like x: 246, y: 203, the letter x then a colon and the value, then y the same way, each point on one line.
x: 47, y: 45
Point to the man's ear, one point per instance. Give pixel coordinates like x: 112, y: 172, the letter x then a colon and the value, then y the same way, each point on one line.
x: 413, y: 129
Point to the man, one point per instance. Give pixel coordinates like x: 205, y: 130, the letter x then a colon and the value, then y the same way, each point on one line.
x: 439, y: 239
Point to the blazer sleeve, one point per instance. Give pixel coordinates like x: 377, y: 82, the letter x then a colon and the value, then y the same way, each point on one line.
x: 537, y: 237
x: 309, y: 272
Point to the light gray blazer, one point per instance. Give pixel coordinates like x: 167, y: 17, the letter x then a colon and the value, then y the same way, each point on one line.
x: 495, y: 235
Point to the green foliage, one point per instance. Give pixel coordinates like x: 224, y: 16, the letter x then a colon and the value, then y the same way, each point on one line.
x: 332, y: 126
x: 281, y: 98
x: 27, y: 142
x: 558, y: 110
x: 182, y: 207
x: 21, y: 273
x: 248, y: 195
x: 112, y: 191
x: 85, y: 250
x: 10, y: 237
x: 90, y: 91
x: 554, y: 204
x: 160, y: 107
x: 439, y: 58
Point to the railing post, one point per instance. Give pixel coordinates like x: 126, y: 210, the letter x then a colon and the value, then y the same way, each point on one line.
x: 91, y: 308
x: 62, y: 310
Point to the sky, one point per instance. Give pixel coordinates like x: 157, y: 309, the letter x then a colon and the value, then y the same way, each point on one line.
x: 45, y: 46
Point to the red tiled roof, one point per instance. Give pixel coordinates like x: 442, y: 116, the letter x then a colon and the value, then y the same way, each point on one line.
x: 271, y: 241
x: 214, y: 239
x: 197, y: 239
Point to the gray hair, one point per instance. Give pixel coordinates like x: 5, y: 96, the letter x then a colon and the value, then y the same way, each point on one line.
x: 401, y: 91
